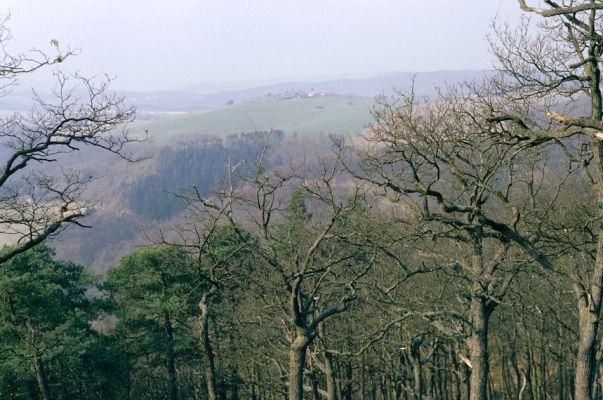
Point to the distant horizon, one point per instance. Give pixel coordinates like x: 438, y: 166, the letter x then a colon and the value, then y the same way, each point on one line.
x: 154, y: 45
x: 217, y: 94
x: 225, y: 86
x: 241, y: 85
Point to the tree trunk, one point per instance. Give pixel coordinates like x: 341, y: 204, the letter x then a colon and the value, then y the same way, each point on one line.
x: 589, y: 306
x: 347, y: 387
x: 428, y: 386
x: 589, y: 302
x: 42, y: 378
x: 440, y: 377
x: 526, y: 392
x: 206, y: 350
x: 171, y: 359
x: 586, y: 351
x: 330, y: 377
x: 415, y: 360
x: 297, y: 363
x: 478, y: 344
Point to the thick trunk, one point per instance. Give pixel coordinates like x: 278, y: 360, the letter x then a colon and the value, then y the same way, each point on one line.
x: 297, y: 362
x: 42, y: 379
x: 478, y: 344
x: 586, y: 352
x: 170, y: 358
x: 207, y: 351
x: 589, y: 302
x: 589, y: 306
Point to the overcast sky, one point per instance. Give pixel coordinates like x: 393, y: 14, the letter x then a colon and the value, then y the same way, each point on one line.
x: 161, y: 44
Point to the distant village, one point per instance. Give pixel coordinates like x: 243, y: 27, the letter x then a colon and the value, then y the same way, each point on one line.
x: 297, y: 94
x: 292, y: 95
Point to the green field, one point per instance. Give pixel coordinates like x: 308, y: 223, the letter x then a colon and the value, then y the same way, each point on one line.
x: 307, y: 117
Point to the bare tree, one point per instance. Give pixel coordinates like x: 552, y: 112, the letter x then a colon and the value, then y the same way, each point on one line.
x: 555, y: 71
x: 313, y: 256
x: 36, y: 202
x: 208, y: 231
x: 311, y: 270
x: 440, y: 161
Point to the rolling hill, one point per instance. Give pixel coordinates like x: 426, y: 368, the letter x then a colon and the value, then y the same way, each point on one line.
x: 304, y: 116
x: 203, y: 97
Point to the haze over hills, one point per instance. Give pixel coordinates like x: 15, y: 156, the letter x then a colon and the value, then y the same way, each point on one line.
x: 195, y: 133
x: 198, y: 98
x: 211, y: 96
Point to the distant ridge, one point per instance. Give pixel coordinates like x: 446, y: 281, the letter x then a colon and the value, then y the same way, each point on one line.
x: 194, y: 99
x: 210, y: 96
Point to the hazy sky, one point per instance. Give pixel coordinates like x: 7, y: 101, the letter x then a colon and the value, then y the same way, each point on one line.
x: 160, y: 44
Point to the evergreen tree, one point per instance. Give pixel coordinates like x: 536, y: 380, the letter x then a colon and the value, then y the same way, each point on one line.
x: 49, y: 349
x: 154, y: 298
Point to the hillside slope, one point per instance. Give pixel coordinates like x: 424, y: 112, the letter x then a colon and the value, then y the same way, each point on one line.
x: 304, y: 116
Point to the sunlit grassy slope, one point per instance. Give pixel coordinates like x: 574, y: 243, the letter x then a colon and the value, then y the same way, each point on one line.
x: 306, y: 116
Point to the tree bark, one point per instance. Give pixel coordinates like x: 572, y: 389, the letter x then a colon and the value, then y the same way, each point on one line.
x: 479, y: 312
x: 584, y: 375
x: 297, y: 363
x: 589, y: 302
x: 330, y: 377
x: 206, y: 349
x: 526, y: 392
x: 589, y: 307
x: 478, y: 344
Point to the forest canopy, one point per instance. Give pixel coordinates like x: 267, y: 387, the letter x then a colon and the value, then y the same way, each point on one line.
x: 452, y: 251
